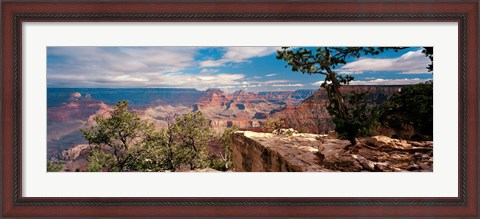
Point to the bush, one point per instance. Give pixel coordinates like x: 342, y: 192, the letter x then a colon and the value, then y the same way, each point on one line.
x: 412, y: 106
x: 191, y: 133
x: 54, y: 167
x: 223, y: 159
x: 124, y: 142
x: 274, y: 124
x: 358, y: 120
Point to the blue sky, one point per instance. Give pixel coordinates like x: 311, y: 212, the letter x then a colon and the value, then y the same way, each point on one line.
x: 227, y: 68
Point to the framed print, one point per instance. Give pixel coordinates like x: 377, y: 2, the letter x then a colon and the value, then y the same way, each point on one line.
x: 219, y: 109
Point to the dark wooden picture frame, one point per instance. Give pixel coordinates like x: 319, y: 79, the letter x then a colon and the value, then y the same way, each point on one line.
x: 14, y: 13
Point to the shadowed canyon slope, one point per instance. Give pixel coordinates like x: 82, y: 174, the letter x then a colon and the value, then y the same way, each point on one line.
x: 312, y: 115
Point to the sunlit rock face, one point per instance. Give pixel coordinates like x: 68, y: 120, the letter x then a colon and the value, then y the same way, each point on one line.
x: 245, y: 109
x: 302, y: 152
x: 267, y: 152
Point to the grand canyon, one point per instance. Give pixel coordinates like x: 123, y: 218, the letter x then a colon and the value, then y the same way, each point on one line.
x: 164, y: 109
x: 71, y: 109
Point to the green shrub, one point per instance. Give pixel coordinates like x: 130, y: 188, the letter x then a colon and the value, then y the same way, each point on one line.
x: 274, y: 124
x: 412, y: 106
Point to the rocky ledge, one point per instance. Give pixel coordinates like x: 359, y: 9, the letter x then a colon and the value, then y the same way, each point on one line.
x: 288, y: 150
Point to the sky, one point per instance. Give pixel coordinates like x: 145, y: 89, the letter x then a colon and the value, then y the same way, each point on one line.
x: 227, y: 68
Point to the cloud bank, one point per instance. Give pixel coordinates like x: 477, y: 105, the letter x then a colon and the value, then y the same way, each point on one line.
x: 131, y: 67
x: 413, y: 62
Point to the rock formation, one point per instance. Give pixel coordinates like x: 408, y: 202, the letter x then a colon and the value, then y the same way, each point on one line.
x: 290, y: 151
x: 243, y: 109
x: 267, y: 152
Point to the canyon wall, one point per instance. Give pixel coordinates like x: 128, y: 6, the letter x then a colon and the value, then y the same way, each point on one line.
x: 312, y: 115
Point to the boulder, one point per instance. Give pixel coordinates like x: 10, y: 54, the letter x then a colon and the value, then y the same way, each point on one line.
x: 366, y: 164
x: 381, y: 141
x: 332, y: 134
x: 342, y: 162
x: 289, y: 131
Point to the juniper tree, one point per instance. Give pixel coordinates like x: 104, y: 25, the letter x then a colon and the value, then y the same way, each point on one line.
x: 191, y: 133
x: 121, y: 134
x: 348, y: 111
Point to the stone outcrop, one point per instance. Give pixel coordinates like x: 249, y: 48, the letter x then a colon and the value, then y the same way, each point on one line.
x: 267, y: 152
x: 291, y: 151
x: 74, y: 159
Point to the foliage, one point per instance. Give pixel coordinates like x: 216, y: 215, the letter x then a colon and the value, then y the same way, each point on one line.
x: 274, y: 124
x: 54, y: 167
x: 412, y: 106
x: 223, y: 160
x: 124, y: 142
x: 349, y: 112
x: 191, y: 133
x: 98, y: 160
x: 156, y: 153
x: 359, y: 120
x: 121, y: 134
x: 428, y: 51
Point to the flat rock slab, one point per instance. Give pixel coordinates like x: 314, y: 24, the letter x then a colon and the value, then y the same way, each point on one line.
x: 265, y: 152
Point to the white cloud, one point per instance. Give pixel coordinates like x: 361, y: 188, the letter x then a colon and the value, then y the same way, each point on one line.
x: 287, y: 85
x: 274, y: 81
x: 380, y: 81
x: 226, y: 87
x: 119, y: 66
x: 238, y: 55
x: 212, y: 63
x: 270, y: 75
x: 196, y: 81
x: 129, y: 78
x: 131, y: 67
x: 413, y: 62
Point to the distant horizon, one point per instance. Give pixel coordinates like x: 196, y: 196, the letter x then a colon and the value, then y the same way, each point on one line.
x: 229, y: 91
